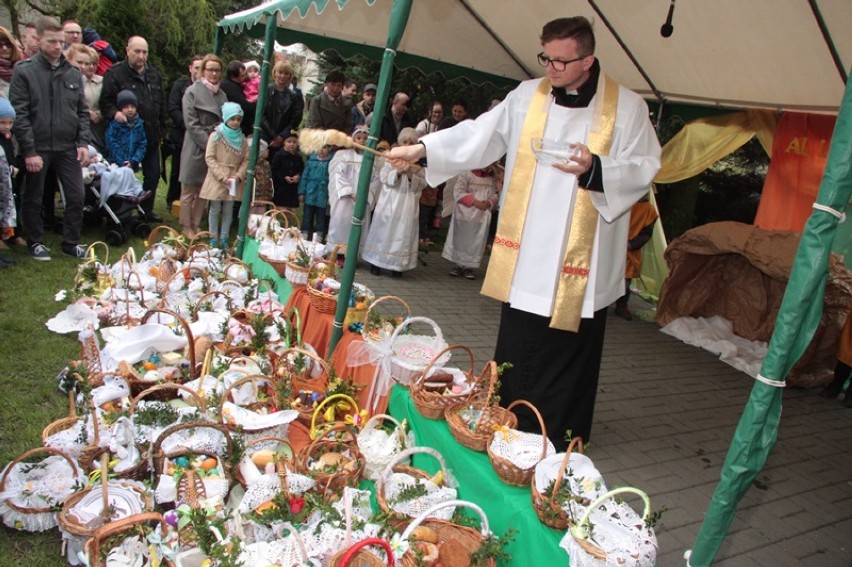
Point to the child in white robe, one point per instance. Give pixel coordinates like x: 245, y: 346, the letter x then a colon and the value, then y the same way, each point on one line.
x: 392, y: 242
x: 475, y: 195
x: 343, y: 173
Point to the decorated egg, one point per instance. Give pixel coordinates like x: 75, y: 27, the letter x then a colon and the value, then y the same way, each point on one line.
x: 209, y: 464
x: 182, y: 462
x: 171, y: 517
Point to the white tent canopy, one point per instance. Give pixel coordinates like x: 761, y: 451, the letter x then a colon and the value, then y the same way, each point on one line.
x: 784, y: 54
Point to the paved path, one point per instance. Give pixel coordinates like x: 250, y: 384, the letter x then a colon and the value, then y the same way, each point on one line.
x: 665, y: 414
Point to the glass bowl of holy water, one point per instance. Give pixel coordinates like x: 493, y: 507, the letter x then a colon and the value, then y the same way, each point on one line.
x: 552, y: 152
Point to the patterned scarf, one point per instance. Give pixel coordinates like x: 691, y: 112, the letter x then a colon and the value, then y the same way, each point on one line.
x: 6, y: 69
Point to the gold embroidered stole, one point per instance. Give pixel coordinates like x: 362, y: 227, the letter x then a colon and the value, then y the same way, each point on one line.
x: 574, y: 274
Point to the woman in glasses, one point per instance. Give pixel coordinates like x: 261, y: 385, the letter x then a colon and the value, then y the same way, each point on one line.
x: 10, y: 54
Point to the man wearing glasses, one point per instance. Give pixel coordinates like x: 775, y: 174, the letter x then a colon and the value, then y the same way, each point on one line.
x: 73, y: 33
x: 137, y: 75
x: 580, y: 152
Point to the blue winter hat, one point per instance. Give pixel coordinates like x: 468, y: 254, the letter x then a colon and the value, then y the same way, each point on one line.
x: 231, y: 109
x: 125, y: 97
x: 6, y: 108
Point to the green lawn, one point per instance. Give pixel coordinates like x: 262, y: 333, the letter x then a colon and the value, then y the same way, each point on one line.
x: 30, y: 358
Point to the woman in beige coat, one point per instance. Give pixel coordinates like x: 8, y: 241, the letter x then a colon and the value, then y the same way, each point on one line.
x: 227, y: 161
x: 202, y: 112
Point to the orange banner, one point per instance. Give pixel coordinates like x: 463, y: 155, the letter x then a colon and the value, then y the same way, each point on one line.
x: 799, y: 153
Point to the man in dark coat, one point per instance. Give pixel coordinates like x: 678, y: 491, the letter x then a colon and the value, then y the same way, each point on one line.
x: 135, y: 74
x: 232, y: 85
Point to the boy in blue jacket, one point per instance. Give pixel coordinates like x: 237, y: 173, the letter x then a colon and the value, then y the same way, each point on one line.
x: 126, y: 143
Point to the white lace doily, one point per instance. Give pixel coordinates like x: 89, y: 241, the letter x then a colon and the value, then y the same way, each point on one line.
x: 435, y: 494
x: 621, y: 533
x: 38, y: 485
x: 521, y: 449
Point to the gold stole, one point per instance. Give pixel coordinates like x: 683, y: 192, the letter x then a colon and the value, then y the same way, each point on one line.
x: 571, y: 288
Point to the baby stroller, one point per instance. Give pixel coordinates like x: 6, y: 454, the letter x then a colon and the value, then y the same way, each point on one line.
x: 116, y: 207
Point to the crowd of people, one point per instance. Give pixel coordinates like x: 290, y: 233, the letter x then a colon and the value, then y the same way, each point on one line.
x: 67, y: 89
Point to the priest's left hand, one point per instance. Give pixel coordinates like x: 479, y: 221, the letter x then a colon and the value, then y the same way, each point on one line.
x: 580, y: 162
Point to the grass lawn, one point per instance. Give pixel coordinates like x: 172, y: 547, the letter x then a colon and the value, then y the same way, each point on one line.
x: 30, y: 358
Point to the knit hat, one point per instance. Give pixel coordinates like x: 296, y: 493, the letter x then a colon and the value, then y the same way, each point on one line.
x: 231, y: 109
x: 370, y: 87
x: 6, y: 108
x: 124, y: 98
x: 249, y: 64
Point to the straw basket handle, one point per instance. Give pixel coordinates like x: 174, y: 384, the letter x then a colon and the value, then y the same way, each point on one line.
x: 540, y: 423
x: 193, y: 364
x: 171, y: 430
x: 232, y: 262
x: 199, y: 402
x: 438, y: 334
x: 252, y: 378
x: 385, y: 299
x: 418, y: 382
x: 483, y: 519
x: 283, y: 360
x: 374, y: 421
x: 213, y: 294
x: 317, y: 411
x: 353, y: 551
x: 236, y: 286
x: 27, y: 455
x: 116, y: 527
x: 577, y: 443
x: 296, y: 323
x: 580, y: 531
x: 259, y: 440
x: 300, y: 543
x: 141, y: 289
x: 402, y: 455
x: 91, y: 251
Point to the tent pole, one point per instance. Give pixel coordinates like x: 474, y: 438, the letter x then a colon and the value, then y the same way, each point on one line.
x: 398, y: 20
x: 268, y: 46
x: 218, y: 40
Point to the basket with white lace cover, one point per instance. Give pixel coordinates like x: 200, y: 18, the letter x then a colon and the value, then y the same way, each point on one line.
x: 31, y: 490
x: 381, y: 445
x: 620, y: 538
x: 143, y: 545
x: 411, y: 353
x: 514, y: 454
x: 409, y: 491
x: 73, y: 434
x: 562, y: 482
x: 190, y: 459
x: 250, y: 407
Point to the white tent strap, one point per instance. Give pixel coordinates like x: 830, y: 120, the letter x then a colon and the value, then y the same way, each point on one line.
x: 686, y: 556
x: 769, y: 382
x: 840, y: 215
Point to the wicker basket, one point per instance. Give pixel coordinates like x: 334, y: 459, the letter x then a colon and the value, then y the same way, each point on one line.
x: 394, y: 466
x: 92, y: 547
x: 302, y: 380
x: 73, y: 529
x: 331, y: 480
x: 470, y: 539
x: 297, y: 275
x: 361, y: 557
x: 73, y: 420
x: 509, y: 472
x: 546, y: 507
x: 41, y: 518
x: 379, y: 457
x: 320, y: 421
x: 411, y: 353
x: 432, y: 404
x: 158, y: 457
x: 165, y: 235
x: 581, y: 531
x: 257, y: 445
x: 379, y: 328
x: 190, y: 340
x: 472, y: 421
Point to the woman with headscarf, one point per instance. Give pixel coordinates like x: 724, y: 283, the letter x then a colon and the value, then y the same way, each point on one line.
x: 202, y: 112
x: 10, y: 54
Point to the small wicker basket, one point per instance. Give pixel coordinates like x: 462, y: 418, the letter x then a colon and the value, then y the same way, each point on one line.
x: 92, y: 547
x: 546, y: 507
x: 432, y: 404
x: 509, y: 472
x: 165, y: 235
x: 361, y: 557
x: 470, y: 539
x: 411, y: 353
x: 332, y: 479
x: 395, y: 466
x: 379, y: 328
x: 472, y: 421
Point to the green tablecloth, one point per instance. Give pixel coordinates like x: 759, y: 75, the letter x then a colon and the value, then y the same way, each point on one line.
x: 262, y: 270
x: 506, y: 506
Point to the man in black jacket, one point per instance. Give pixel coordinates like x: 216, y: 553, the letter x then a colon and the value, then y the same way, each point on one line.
x: 178, y: 130
x: 232, y: 86
x: 396, y: 118
x: 52, y: 128
x: 135, y: 74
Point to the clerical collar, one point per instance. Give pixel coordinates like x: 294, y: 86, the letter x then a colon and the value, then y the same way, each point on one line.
x: 584, y: 93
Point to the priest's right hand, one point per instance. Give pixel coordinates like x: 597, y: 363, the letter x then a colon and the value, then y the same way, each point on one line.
x: 402, y: 158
